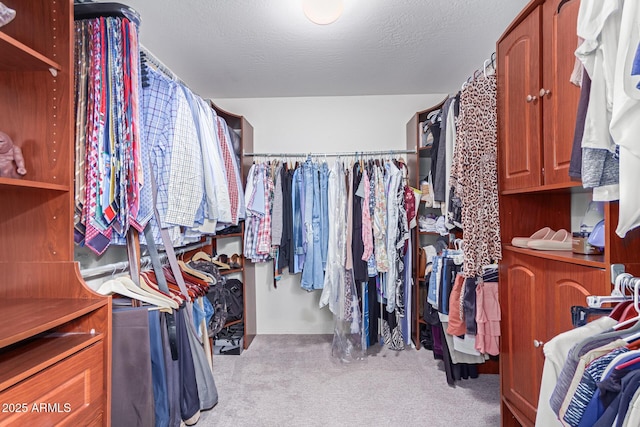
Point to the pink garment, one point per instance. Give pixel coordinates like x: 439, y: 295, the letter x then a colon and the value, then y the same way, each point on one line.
x: 487, y: 318
x: 456, y: 326
x: 367, y: 226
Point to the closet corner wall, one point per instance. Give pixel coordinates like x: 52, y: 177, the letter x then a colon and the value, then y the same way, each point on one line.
x: 537, y: 108
x: 418, y: 164
x: 243, y: 128
x: 55, y: 339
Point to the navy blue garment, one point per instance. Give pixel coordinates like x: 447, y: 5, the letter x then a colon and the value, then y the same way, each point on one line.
x: 189, y: 399
x: 360, y: 273
x: 158, y: 372
x: 172, y: 373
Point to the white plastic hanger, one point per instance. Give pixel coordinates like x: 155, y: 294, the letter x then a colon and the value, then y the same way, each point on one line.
x: 617, y: 294
x: 115, y: 286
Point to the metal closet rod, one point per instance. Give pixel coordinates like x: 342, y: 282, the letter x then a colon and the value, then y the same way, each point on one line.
x: 122, y: 266
x: 160, y: 65
x: 334, y: 154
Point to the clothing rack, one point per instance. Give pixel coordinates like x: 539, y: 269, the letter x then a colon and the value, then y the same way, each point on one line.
x: 124, y: 265
x: 149, y: 57
x: 491, y: 61
x: 334, y: 154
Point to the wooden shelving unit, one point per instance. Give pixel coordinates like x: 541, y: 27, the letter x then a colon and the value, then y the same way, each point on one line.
x: 242, y: 127
x: 55, y: 340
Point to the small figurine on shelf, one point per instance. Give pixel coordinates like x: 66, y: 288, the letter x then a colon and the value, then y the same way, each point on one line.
x: 6, y: 14
x: 9, y: 154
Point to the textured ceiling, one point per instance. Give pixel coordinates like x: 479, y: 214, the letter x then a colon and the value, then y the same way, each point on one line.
x: 267, y: 48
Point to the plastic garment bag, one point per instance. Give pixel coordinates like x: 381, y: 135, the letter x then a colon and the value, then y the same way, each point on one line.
x: 347, y: 331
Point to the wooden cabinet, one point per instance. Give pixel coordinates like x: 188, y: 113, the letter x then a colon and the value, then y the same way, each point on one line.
x: 537, y: 104
x: 241, y: 126
x: 52, y: 320
x: 536, y: 115
x: 540, y: 293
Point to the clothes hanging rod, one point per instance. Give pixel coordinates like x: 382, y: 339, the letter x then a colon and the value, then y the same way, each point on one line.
x: 160, y: 65
x: 124, y: 265
x: 334, y: 154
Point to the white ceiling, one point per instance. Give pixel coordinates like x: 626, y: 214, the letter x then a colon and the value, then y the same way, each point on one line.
x: 267, y: 48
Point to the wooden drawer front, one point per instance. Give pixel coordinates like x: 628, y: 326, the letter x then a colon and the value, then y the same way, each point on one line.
x: 67, y: 393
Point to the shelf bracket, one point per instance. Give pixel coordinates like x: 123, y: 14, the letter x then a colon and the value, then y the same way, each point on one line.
x: 53, y: 72
x: 616, y: 270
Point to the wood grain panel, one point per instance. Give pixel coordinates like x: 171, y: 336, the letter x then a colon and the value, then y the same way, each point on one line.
x: 569, y: 285
x: 66, y: 394
x: 43, y: 26
x: 35, y: 225
x: 35, y: 123
x: 521, y: 291
x: 44, y: 280
x: 519, y: 121
x: 521, y: 215
x: 561, y: 104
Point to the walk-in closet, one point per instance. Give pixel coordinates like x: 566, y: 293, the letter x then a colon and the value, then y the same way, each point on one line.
x: 319, y: 213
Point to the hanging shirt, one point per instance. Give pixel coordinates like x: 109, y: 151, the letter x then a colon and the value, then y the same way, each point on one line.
x: 625, y: 126
x: 599, y: 26
x: 335, y: 271
x: 393, y: 179
x: 213, y: 170
x: 380, y: 223
x: 186, y: 183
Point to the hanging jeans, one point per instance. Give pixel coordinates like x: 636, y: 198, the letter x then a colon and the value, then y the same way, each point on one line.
x: 324, y: 212
x: 312, y: 274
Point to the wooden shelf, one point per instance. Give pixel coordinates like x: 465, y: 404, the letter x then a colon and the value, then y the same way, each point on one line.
x: 25, y: 318
x: 227, y: 236
x: 38, y: 185
x: 233, y: 322
x: 575, y: 186
x: 428, y: 233
x: 233, y: 270
x: 19, y: 57
x: 596, y: 261
x: 26, y: 360
x: 424, y: 151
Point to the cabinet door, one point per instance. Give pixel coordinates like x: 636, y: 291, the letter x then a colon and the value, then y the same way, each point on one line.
x: 567, y: 285
x: 519, y: 107
x: 559, y: 97
x: 521, y: 293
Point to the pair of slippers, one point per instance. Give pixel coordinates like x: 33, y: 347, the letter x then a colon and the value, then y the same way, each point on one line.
x: 229, y: 262
x: 546, y: 239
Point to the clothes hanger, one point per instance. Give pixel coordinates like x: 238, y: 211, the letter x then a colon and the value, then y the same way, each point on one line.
x: 130, y: 284
x: 148, y: 283
x: 114, y: 286
x: 617, y: 330
x: 193, y: 272
x: 201, y: 255
x: 617, y: 294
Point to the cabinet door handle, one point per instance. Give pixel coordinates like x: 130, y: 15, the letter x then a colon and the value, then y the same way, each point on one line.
x: 531, y: 98
x: 544, y: 92
x: 537, y: 343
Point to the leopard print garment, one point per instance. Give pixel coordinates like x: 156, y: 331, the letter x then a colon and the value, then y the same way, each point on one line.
x: 474, y: 172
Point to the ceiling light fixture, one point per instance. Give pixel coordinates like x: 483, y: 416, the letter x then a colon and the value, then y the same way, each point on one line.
x: 322, y: 12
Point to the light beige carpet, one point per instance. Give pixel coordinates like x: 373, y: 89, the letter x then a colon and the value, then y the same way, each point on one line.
x: 292, y: 380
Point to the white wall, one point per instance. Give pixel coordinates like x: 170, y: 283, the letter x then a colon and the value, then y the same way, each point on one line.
x: 318, y: 124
